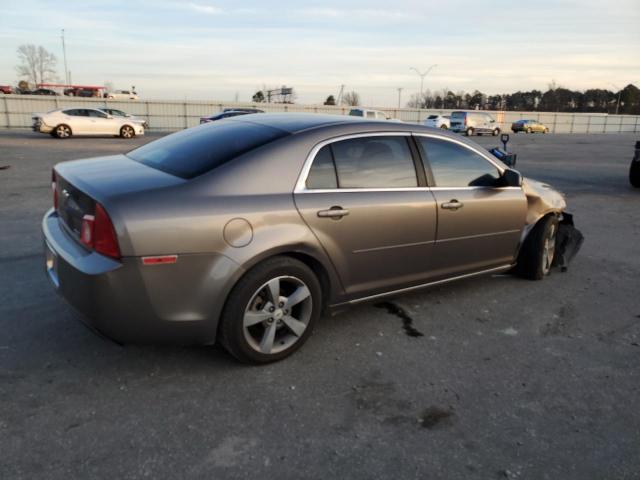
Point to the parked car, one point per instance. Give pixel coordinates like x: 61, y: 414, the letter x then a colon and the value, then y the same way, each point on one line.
x: 82, y: 92
x: 528, y: 126
x: 44, y: 91
x: 6, y: 89
x: 122, y: 95
x: 242, y: 232
x: 228, y: 113
x: 475, y: 122
x: 119, y: 113
x: 366, y: 113
x: 63, y: 123
x: 634, y: 169
x: 438, y: 121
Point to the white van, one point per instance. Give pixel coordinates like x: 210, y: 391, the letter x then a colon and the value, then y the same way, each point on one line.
x: 471, y: 123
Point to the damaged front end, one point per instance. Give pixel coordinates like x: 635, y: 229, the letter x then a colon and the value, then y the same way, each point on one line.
x: 542, y: 200
x: 568, y: 241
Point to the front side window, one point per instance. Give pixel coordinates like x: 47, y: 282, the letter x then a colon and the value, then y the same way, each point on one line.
x: 97, y: 114
x: 374, y: 162
x: 453, y: 165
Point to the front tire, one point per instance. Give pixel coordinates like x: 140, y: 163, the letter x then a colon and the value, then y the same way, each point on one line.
x: 634, y: 174
x: 62, y: 131
x: 271, y: 311
x: 469, y: 132
x: 538, y: 251
x: 127, y: 132
x: 444, y: 127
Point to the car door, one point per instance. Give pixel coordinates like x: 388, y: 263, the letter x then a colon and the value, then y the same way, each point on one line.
x: 371, y: 211
x: 101, y: 124
x: 78, y: 119
x: 479, y: 222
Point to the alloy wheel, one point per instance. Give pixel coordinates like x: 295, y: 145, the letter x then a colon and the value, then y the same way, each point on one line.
x: 277, y: 315
x: 63, y: 131
x: 549, y: 248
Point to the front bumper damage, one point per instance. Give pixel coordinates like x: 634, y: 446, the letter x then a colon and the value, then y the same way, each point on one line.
x: 568, y: 242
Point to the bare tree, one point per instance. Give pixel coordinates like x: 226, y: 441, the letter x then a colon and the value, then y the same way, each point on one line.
x: 36, y: 63
x: 351, y: 98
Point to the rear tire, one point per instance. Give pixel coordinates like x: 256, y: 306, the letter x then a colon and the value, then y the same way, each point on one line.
x: 271, y: 311
x: 62, y: 131
x: 496, y: 132
x: 634, y: 174
x: 127, y: 132
x: 538, y: 251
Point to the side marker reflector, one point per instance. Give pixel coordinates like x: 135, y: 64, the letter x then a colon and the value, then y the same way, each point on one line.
x: 159, y: 260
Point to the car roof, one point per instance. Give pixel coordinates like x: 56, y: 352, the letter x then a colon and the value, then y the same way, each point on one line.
x: 297, y: 122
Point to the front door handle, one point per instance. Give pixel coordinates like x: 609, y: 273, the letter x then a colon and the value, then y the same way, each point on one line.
x: 334, y: 212
x: 452, y: 205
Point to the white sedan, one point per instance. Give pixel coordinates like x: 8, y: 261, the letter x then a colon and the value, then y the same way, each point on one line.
x: 84, y: 121
x: 438, y: 121
x: 122, y: 95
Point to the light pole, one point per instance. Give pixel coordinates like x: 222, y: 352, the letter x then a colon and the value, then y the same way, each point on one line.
x: 64, y: 54
x: 399, y: 95
x: 619, y: 93
x: 422, y: 75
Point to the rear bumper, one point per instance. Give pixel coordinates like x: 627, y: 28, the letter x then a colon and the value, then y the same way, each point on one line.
x: 131, y: 303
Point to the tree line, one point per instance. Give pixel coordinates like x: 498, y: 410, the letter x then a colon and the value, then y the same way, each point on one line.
x: 554, y: 99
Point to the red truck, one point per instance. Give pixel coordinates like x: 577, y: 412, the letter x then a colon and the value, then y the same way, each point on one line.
x: 6, y: 89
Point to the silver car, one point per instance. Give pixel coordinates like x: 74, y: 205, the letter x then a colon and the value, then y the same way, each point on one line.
x: 243, y: 231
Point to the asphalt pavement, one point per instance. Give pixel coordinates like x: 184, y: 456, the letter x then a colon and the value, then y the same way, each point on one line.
x: 493, y: 377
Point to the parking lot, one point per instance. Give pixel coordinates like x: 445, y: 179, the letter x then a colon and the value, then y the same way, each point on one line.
x: 510, y: 378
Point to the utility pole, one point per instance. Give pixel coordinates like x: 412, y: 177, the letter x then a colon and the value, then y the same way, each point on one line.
x: 422, y: 75
x: 399, y: 95
x: 339, y: 99
x: 619, y: 93
x: 64, y: 54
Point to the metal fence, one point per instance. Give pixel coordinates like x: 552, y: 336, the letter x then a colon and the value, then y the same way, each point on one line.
x: 16, y: 112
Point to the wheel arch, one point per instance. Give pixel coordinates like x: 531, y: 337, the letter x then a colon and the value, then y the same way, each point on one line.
x: 530, y: 226
x: 321, y: 267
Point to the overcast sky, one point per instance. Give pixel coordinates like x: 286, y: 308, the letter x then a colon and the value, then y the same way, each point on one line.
x: 204, y: 49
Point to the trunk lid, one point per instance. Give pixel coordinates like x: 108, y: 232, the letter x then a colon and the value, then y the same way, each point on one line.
x: 80, y: 184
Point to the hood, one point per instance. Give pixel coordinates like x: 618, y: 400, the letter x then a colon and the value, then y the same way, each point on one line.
x: 541, y: 199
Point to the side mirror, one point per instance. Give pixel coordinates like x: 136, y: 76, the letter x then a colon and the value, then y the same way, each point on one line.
x: 511, y: 178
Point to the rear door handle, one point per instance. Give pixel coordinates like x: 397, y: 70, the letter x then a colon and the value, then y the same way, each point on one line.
x: 452, y: 205
x: 333, y: 212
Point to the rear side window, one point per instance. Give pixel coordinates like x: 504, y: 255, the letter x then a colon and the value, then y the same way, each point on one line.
x: 374, y: 162
x: 323, y: 171
x: 197, y: 150
x: 453, y: 165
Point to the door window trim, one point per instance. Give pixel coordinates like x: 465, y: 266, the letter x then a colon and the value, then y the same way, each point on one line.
x: 301, y: 184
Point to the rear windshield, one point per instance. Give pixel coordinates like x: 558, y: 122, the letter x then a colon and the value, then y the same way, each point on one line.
x: 458, y: 114
x: 356, y: 113
x: 198, y: 150
x: 433, y: 117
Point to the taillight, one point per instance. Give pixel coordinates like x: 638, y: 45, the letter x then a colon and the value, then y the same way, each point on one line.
x: 97, y: 233
x: 465, y: 120
x: 54, y: 188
